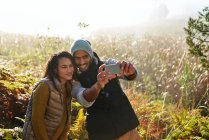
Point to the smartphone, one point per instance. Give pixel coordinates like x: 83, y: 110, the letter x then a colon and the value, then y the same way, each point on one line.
x: 113, y: 68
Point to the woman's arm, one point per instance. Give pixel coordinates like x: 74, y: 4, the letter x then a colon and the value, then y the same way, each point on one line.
x: 39, y: 103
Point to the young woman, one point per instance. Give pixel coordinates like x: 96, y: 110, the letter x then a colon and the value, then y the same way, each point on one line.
x: 48, y: 113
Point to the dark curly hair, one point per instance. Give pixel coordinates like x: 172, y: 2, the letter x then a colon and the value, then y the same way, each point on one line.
x: 52, y: 65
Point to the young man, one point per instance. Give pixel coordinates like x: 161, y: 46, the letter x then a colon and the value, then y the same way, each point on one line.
x: 111, y: 117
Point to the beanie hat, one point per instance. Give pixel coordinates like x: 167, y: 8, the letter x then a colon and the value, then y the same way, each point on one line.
x: 83, y: 45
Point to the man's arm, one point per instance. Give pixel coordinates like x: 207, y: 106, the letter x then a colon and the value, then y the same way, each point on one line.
x: 131, y: 76
x: 87, y: 96
x: 90, y: 94
x: 103, y: 78
x: 78, y: 93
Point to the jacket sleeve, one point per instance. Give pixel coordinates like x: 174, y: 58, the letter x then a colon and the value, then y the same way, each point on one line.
x: 39, y: 104
x: 77, y: 92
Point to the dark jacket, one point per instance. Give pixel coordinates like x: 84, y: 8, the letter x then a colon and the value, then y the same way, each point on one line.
x: 112, y: 114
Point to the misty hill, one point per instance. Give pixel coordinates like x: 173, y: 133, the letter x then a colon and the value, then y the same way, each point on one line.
x: 173, y: 26
x: 157, y: 26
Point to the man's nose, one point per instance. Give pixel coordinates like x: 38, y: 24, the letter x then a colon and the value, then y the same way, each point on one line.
x: 81, y: 61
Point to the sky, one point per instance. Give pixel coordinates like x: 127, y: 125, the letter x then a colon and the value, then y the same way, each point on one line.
x: 61, y: 17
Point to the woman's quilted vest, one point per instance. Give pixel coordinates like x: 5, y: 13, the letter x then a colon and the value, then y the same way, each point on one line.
x: 54, y: 111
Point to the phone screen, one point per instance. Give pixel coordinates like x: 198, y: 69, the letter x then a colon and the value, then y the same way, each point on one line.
x: 113, y: 68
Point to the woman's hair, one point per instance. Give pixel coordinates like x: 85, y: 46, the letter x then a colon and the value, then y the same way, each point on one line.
x: 52, y: 65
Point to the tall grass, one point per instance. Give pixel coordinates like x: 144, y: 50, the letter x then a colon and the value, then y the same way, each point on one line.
x: 162, y: 62
x: 170, y: 80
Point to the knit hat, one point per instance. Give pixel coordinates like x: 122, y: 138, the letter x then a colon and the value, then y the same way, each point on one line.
x: 83, y: 45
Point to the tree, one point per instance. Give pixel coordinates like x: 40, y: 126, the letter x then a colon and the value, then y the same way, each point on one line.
x: 198, y: 37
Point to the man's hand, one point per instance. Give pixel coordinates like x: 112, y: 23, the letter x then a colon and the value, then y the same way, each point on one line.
x: 126, y: 68
x: 103, y: 77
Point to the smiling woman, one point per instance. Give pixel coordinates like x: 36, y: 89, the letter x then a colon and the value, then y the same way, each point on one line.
x: 65, y: 70
x: 49, y: 110
x: 62, y: 17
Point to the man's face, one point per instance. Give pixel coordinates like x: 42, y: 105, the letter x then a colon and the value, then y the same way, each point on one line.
x: 82, y: 60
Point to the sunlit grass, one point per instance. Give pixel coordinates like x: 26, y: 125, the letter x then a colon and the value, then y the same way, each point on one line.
x: 169, y: 80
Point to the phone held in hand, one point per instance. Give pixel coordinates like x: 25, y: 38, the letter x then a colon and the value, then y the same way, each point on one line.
x: 113, y: 68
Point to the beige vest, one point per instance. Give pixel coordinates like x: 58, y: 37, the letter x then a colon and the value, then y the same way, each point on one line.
x: 54, y: 111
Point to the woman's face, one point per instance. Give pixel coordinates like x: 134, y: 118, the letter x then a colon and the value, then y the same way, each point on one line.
x: 65, y: 69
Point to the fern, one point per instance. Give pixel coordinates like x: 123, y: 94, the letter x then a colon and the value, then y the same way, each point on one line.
x: 77, y: 131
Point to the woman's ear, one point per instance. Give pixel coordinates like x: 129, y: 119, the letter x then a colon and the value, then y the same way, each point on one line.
x: 55, y: 71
